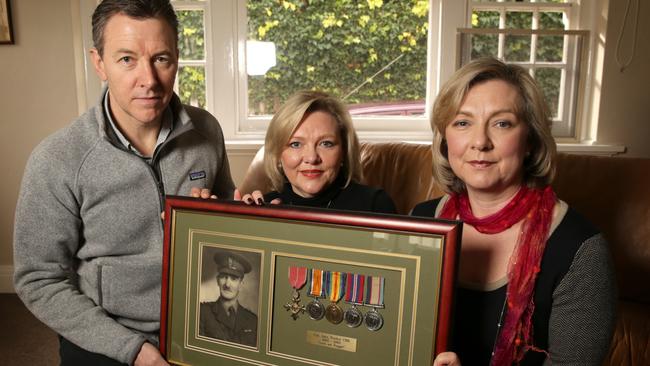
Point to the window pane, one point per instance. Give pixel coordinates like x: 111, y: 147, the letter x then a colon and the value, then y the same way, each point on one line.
x: 517, y: 48
x: 551, y: 20
x: 549, y: 80
x: 371, y: 52
x: 519, y: 19
x: 484, y: 45
x: 485, y: 19
x: 550, y: 48
x: 191, y: 38
x: 191, y: 85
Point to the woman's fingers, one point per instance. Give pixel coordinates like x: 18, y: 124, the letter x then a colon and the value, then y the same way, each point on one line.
x: 446, y: 359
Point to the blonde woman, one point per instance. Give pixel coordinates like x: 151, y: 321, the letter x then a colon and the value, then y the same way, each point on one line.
x: 536, y: 283
x: 311, y: 155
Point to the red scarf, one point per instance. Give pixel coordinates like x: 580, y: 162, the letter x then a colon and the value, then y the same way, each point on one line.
x: 535, y: 207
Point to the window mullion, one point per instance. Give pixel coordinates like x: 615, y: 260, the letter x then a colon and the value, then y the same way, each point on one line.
x: 533, y: 39
x: 502, y: 36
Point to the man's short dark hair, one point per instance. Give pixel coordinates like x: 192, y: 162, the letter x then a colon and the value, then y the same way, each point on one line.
x: 137, y: 9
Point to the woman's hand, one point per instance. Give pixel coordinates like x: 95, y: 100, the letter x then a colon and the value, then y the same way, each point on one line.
x: 255, y: 198
x: 446, y: 359
x: 204, y: 193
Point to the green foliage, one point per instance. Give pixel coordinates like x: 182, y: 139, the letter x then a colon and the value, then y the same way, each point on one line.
x: 338, y: 45
x: 191, y: 46
x: 191, y: 80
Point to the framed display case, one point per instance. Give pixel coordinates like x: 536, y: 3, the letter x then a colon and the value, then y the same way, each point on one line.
x: 275, y: 285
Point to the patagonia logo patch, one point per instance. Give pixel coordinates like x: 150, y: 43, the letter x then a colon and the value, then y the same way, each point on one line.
x: 197, y: 175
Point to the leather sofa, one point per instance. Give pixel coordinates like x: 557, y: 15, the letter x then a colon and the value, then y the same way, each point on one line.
x: 613, y: 192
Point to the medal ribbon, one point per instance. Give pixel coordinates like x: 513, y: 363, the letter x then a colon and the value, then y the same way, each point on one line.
x: 354, y: 288
x: 335, y: 285
x: 375, y: 291
x: 297, y: 277
x: 316, y: 282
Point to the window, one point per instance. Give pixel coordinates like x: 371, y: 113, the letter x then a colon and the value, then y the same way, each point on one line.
x: 220, y: 42
x: 535, y: 35
x: 369, y: 53
x: 372, y: 54
x: 191, y: 83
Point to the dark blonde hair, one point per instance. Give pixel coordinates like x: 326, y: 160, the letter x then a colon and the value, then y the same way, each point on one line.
x: 287, y: 119
x: 539, y: 165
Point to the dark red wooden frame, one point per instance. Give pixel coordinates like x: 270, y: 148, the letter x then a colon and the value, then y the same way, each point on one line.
x: 451, y: 230
x: 11, y: 40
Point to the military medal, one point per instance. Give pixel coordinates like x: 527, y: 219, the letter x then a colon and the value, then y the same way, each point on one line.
x: 354, y: 286
x: 334, y: 287
x: 315, y: 308
x: 297, y: 279
x: 374, y: 298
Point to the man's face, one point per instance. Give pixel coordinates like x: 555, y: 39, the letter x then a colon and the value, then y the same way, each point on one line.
x: 139, y: 64
x: 228, y: 285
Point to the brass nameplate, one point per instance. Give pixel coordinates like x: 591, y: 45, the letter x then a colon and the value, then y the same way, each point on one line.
x: 332, y: 341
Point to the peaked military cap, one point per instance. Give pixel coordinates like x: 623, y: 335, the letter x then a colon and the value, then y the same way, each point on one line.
x: 231, y: 263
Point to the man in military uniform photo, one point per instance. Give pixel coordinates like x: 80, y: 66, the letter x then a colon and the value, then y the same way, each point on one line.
x: 226, y: 318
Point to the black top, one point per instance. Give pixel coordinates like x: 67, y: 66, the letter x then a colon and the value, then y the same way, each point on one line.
x: 477, y: 312
x: 354, y: 197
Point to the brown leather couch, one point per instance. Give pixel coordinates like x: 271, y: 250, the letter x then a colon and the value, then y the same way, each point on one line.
x: 613, y: 192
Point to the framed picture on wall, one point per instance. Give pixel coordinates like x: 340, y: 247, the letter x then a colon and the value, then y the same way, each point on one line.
x: 6, y: 30
x: 274, y: 285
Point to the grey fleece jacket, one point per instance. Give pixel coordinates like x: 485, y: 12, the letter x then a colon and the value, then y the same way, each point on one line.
x: 88, y: 235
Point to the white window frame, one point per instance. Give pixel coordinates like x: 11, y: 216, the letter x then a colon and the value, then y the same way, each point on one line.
x: 449, y: 15
x: 226, y: 85
x: 379, y: 128
x: 571, y: 66
x: 208, y: 66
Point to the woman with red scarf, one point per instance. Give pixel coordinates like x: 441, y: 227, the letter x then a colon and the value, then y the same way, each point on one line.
x: 536, y: 283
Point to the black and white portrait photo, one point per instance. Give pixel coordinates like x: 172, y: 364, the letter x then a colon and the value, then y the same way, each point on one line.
x: 229, y: 295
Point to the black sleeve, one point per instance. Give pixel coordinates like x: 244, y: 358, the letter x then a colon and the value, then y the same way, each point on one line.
x: 425, y: 209
x: 382, y: 203
x: 271, y: 196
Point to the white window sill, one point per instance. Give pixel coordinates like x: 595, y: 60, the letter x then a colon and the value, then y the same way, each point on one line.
x: 590, y: 149
x: 252, y: 145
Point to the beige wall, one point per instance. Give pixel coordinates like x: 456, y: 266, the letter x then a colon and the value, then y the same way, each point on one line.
x: 38, y: 94
x: 625, y: 99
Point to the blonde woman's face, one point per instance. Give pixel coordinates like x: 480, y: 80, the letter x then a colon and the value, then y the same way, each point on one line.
x: 486, y: 141
x: 312, y: 158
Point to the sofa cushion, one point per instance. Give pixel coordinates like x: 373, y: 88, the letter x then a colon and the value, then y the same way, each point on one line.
x: 404, y: 170
x: 614, y: 194
x: 631, y: 341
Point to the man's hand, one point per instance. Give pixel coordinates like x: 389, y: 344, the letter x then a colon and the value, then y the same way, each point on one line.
x: 204, y: 193
x: 149, y: 356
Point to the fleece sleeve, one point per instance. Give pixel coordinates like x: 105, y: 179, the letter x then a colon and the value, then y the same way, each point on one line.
x: 47, y: 235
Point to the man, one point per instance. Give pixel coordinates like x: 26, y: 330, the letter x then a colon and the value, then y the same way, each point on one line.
x: 226, y: 318
x: 88, y: 235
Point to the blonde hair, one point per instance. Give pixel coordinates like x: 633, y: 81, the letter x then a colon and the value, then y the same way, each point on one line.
x: 287, y: 119
x: 539, y: 165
